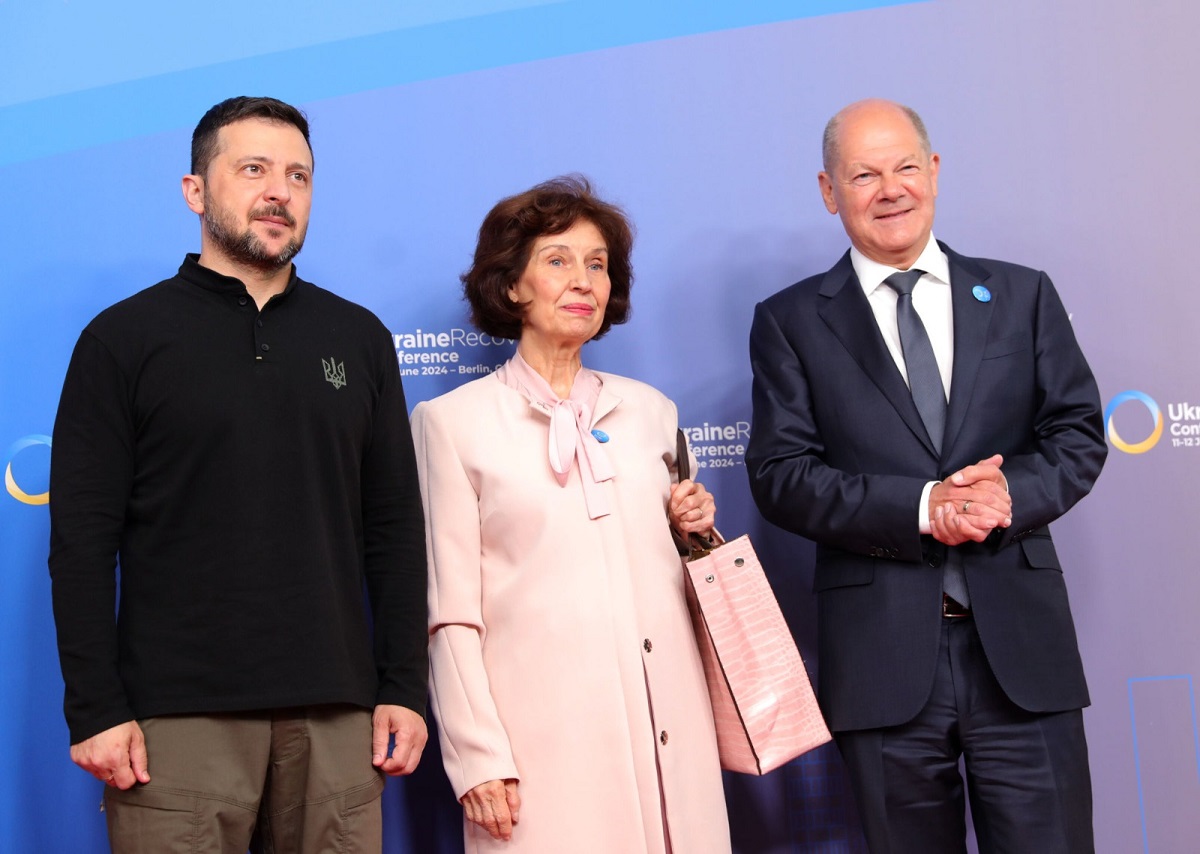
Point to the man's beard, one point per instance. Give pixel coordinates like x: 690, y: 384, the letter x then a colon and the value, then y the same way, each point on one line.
x: 246, y: 248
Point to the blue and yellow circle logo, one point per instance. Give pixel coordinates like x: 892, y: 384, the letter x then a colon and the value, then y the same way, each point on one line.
x: 1155, y: 415
x: 11, y: 483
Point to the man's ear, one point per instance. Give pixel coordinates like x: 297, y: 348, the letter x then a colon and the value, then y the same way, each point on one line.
x: 826, y: 185
x: 193, y: 193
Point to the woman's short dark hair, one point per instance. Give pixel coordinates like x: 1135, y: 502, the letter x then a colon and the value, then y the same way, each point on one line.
x: 506, y: 239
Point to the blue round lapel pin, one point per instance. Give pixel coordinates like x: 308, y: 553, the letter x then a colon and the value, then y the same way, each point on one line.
x: 601, y: 436
x: 981, y: 293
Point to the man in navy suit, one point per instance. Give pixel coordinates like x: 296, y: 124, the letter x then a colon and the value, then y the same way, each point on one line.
x: 944, y: 630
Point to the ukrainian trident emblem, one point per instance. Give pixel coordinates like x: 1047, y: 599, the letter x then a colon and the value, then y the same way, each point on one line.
x: 335, y: 372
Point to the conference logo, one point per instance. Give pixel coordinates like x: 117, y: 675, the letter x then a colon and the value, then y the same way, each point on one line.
x: 718, y: 445
x: 423, y: 353
x: 1136, y: 435
x: 10, y: 479
x: 1144, y: 444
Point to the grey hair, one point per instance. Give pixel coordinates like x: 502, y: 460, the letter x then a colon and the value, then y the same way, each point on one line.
x: 829, y: 140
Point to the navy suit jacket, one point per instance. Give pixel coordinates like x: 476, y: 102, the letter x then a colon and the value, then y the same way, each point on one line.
x: 838, y: 454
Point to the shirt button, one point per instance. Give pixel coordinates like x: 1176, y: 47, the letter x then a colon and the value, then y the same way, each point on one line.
x: 243, y: 300
x: 662, y: 737
x: 646, y: 645
x: 266, y: 347
x: 260, y: 324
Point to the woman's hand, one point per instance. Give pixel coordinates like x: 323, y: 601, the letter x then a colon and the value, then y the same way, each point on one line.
x: 691, y: 508
x: 494, y: 806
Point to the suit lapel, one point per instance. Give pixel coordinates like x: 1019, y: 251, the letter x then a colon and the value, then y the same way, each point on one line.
x: 972, y: 317
x: 848, y: 315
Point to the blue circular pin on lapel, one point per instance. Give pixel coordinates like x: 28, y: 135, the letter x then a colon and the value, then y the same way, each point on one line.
x: 601, y: 436
x: 981, y: 293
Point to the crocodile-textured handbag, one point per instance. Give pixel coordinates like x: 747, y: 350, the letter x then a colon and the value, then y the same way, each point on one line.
x: 762, y: 700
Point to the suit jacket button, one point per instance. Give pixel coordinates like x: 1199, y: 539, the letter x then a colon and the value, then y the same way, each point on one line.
x: 662, y: 736
x: 646, y: 645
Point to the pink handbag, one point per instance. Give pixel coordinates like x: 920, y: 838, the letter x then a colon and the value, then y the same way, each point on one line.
x: 762, y: 700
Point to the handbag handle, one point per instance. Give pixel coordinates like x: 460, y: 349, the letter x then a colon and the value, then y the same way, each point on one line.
x: 693, y: 545
x: 683, y: 462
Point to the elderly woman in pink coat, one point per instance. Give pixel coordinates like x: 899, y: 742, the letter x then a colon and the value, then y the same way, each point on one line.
x: 566, y: 682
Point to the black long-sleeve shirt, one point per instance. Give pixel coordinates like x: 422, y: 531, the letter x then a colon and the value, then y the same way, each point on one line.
x: 251, y: 470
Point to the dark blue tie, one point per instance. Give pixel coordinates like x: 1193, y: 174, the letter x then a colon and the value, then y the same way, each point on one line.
x: 925, y: 383
x: 924, y: 378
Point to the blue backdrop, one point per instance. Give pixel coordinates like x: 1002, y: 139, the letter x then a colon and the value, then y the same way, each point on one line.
x: 1067, y: 131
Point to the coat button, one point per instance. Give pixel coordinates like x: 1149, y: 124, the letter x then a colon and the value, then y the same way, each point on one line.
x: 662, y: 736
x: 243, y: 300
x: 646, y: 645
x: 266, y: 347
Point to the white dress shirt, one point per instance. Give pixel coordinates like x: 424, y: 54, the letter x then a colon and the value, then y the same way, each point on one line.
x: 931, y: 299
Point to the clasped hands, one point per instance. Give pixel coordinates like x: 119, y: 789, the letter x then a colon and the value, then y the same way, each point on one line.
x: 970, y: 504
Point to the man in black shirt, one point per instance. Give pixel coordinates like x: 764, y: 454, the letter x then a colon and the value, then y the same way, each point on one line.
x: 237, y: 439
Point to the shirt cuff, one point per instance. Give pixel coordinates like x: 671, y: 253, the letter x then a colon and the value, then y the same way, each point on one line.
x: 923, y: 509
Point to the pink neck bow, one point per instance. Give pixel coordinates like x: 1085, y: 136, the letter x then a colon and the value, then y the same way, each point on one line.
x: 570, y: 423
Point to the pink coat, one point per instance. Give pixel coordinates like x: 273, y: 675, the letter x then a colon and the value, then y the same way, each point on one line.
x: 561, y: 652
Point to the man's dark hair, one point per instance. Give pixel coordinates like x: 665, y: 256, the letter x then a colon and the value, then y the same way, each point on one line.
x: 204, y: 137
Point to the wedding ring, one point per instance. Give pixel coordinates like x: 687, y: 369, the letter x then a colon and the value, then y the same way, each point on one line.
x: 966, y: 506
